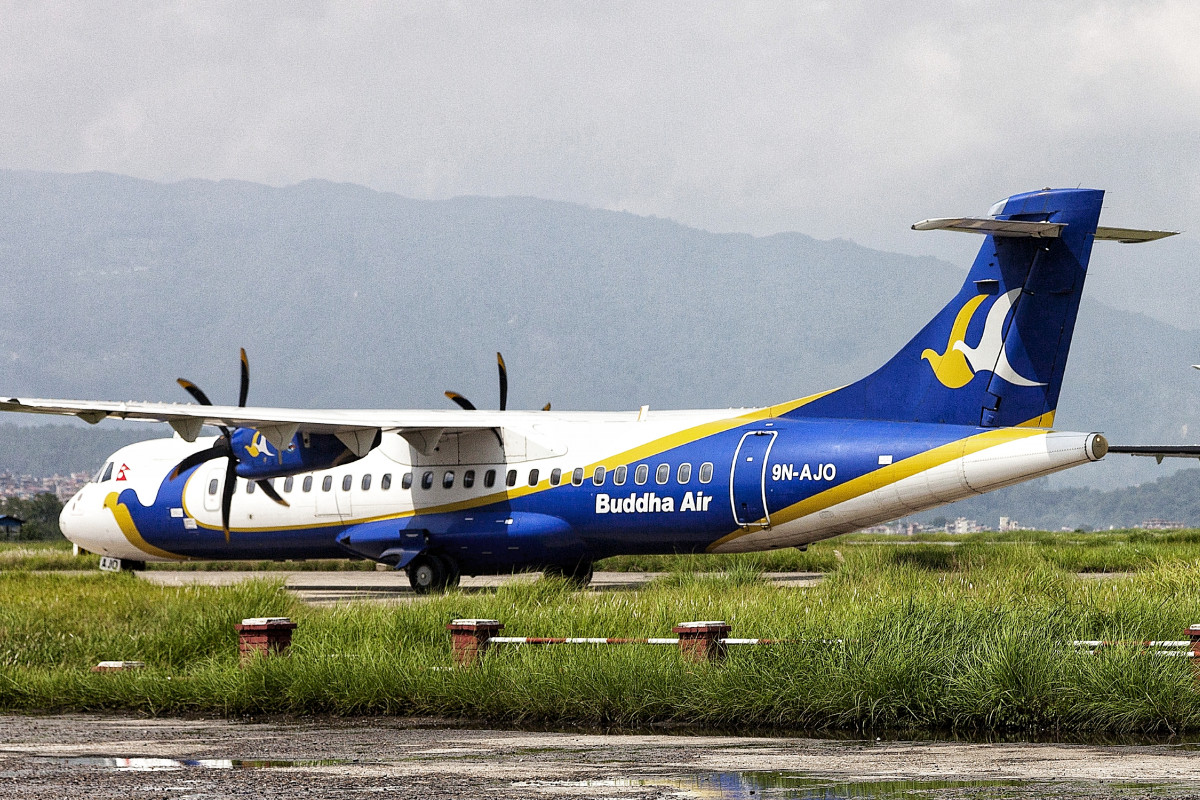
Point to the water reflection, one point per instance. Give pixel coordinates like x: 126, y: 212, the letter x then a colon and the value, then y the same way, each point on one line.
x: 772, y: 785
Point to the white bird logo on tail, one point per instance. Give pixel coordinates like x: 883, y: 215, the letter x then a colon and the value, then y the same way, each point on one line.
x: 960, y: 362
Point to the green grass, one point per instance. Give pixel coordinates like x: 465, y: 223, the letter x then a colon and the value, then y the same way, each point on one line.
x: 1107, y: 551
x: 53, y: 555
x: 887, y: 641
x: 56, y: 555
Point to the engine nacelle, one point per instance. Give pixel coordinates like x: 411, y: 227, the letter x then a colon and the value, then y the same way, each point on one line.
x: 258, y: 459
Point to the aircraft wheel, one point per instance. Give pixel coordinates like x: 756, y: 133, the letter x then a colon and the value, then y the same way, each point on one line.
x: 453, y: 573
x: 579, y: 575
x: 427, y: 574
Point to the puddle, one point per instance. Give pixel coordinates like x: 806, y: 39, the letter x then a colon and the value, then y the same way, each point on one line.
x: 778, y: 785
x: 163, y: 764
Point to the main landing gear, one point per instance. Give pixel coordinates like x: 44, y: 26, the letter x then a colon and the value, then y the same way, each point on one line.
x: 432, y: 574
x: 429, y: 573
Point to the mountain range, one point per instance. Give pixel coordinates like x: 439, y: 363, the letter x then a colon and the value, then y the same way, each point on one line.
x: 344, y: 296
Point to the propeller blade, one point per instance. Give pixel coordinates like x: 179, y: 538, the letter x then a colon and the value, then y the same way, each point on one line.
x: 546, y: 407
x: 221, y: 448
x: 503, y: 381
x: 194, y: 390
x: 200, y: 397
x: 227, y: 495
x: 244, y: 387
x: 270, y: 492
x: 463, y: 403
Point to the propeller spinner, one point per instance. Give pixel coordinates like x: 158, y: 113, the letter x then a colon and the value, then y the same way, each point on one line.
x: 223, y: 448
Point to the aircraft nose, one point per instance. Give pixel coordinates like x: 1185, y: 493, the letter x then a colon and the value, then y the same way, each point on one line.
x: 65, y: 521
x: 79, y: 527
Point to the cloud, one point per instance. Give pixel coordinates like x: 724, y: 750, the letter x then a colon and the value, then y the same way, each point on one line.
x: 835, y: 119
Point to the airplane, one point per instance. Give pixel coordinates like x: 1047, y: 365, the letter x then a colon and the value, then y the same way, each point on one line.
x: 965, y: 407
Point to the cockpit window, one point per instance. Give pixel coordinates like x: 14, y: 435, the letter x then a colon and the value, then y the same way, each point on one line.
x: 107, y: 472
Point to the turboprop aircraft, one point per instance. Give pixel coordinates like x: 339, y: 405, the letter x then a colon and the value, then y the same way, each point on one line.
x: 965, y: 407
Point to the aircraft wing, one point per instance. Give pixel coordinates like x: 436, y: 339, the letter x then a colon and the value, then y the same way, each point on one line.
x: 1158, y: 453
x: 355, y: 428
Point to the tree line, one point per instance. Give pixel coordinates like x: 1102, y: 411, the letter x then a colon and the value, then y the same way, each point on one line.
x: 39, y: 514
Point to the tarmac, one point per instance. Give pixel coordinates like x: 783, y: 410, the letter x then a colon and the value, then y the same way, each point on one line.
x: 332, y: 587
x: 101, y: 756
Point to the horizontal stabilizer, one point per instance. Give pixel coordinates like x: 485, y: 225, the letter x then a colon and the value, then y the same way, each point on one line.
x: 1130, y: 235
x: 995, y: 227
x: 1034, y: 230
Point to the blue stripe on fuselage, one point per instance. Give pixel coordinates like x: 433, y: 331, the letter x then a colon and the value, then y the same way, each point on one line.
x: 817, y: 454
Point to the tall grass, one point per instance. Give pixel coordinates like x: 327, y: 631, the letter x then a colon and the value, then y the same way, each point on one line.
x: 1108, y: 551
x: 57, y: 555
x: 883, y: 643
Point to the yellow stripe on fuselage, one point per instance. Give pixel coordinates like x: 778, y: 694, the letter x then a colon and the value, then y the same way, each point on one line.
x: 639, y: 453
x: 129, y: 528
x: 1044, y: 421
x: 884, y: 476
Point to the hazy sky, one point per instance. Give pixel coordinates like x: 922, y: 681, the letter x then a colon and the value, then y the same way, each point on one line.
x: 836, y: 119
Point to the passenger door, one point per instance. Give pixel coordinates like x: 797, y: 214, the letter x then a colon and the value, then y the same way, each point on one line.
x: 747, y: 487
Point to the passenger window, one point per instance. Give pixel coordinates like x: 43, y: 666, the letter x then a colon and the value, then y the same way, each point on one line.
x: 307, y: 486
x: 577, y: 476
x: 619, y: 475
x: 385, y: 482
x: 288, y: 483
x: 366, y: 482
x: 489, y: 478
x: 347, y: 482
x: 598, y: 476
x: 533, y: 477
x: 511, y: 478
x: 706, y: 472
x: 468, y: 479
x: 662, y: 474
x: 427, y: 480
x: 327, y: 483
x: 684, y: 473
x: 249, y: 487
x: 448, y: 479
x: 406, y: 481
x: 107, y: 472
x: 641, y: 474
x: 555, y: 476
x: 212, y: 486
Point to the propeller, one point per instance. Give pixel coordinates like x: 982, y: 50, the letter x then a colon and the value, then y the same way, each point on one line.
x: 467, y: 405
x: 223, y: 448
x: 503, y: 381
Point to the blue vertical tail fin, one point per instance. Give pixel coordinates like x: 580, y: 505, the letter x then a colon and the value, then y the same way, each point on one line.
x: 995, y: 356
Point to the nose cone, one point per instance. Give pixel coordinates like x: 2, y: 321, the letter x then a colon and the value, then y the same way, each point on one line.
x: 66, y: 519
